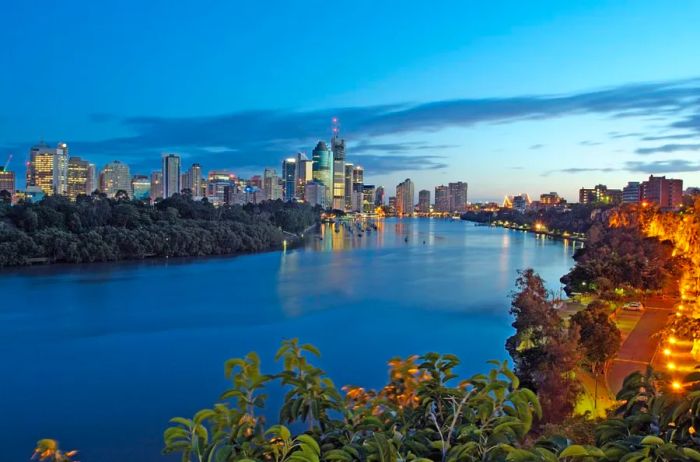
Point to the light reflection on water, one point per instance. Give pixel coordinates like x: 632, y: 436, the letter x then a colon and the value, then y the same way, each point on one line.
x: 118, y: 349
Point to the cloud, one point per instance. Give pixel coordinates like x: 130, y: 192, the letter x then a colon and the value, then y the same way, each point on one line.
x: 663, y: 166
x: 589, y: 143
x: 254, y: 139
x: 678, y: 136
x: 668, y: 148
x: 536, y: 146
x: 618, y: 135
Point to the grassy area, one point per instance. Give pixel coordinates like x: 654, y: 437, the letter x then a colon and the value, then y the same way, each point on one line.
x: 596, y: 403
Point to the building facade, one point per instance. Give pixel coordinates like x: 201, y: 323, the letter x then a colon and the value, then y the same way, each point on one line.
x: 7, y: 180
x: 78, y: 177
x: 405, y: 197
x: 631, y: 193
x: 171, y: 175
x: 666, y: 193
x: 323, y: 169
x: 338, y: 149
x: 48, y: 168
x: 424, y: 201
x: 140, y: 187
x: 289, y: 178
x: 458, y: 196
x: 115, y: 177
x: 442, y: 199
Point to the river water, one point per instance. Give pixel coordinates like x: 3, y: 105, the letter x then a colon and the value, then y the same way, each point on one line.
x: 101, y: 356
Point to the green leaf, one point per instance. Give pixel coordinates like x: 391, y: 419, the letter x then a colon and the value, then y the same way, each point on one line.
x: 574, y: 450
x: 651, y: 440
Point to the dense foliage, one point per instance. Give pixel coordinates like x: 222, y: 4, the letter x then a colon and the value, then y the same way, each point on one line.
x: 600, y: 336
x: 97, y: 228
x: 621, y: 258
x: 576, y: 218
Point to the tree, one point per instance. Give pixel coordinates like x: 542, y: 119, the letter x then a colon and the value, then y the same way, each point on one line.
x: 543, y: 349
x: 600, y: 337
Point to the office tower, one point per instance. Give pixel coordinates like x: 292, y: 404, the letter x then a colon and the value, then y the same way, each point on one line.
x: 392, y: 204
x: 91, y: 186
x: 171, y: 175
x: 631, y: 193
x: 404, y: 197
x: 458, y: 196
x: 7, y: 180
x: 379, y: 196
x: 424, y: 201
x: 289, y: 178
x: 115, y: 177
x: 442, y: 199
x: 271, y: 185
x: 666, y: 193
x: 156, y: 185
x: 48, y: 168
x: 368, y: 193
x: 78, y: 177
x: 192, y: 180
x: 217, y: 181
x: 323, y: 169
x: 338, y: 149
x: 140, y: 187
x: 315, y: 194
x: 348, y: 186
x: 358, y: 178
x: 304, y: 173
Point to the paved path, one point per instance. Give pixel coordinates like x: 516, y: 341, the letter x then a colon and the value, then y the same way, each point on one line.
x: 638, y: 348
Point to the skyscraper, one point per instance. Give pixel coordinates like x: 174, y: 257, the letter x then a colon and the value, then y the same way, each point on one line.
x: 348, y: 186
x: 91, y: 186
x: 140, y: 187
x: 315, y: 193
x: 338, y: 148
x: 458, y: 196
x: 442, y: 199
x: 404, y: 197
x: 271, y: 185
x: 7, y: 180
x: 171, y: 175
x: 192, y: 180
x: 115, y: 177
x: 78, y: 177
x: 48, y: 168
x: 156, y: 185
x: 304, y: 173
x: 323, y: 169
x: 424, y: 201
x: 289, y: 178
x: 217, y: 182
x: 379, y: 196
x: 368, y: 192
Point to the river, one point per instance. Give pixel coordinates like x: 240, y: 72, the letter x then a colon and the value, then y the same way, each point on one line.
x: 101, y: 356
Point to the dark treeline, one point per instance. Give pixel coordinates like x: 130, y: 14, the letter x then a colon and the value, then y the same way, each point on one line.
x: 96, y: 228
x: 576, y: 219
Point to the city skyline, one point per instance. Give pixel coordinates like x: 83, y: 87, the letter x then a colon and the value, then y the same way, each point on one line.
x: 487, y: 97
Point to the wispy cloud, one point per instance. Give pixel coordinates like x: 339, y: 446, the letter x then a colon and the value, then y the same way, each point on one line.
x: 663, y: 166
x: 666, y: 148
x: 534, y: 147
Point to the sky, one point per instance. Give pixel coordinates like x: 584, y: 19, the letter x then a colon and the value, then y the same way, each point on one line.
x: 509, y: 96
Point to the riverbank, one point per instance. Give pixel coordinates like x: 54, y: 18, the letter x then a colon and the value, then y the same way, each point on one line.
x: 561, y: 235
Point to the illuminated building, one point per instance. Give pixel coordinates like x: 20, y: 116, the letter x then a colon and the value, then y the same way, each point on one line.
x: 289, y: 178
x: 78, y: 177
x: 7, y: 180
x: 368, y: 198
x: 458, y: 196
x: 666, y: 193
x: 91, y: 186
x: 392, y: 204
x: 323, y: 168
x: 631, y: 193
x: 519, y: 203
x: 338, y: 149
x: 115, y: 177
x: 600, y: 194
x: 304, y: 173
x: 140, y: 187
x: 156, y: 185
x: 424, y: 201
x: 48, y: 168
x: 404, y: 197
x: 348, y: 186
x: 217, y: 181
x: 171, y: 175
x: 442, y: 199
x: 548, y: 199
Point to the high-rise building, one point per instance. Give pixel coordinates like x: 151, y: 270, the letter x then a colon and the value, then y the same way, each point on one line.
x: 549, y: 199
x: 424, y: 201
x: 271, y: 185
x: 171, y: 175
x: 404, y: 197
x: 368, y: 193
x: 140, y: 187
x: 192, y: 180
x: 666, y: 193
x: 323, y: 169
x: 458, y: 196
x: 379, y: 196
x: 78, y: 177
x: 358, y: 178
x: 289, y: 178
x: 48, y: 168
x: 217, y: 182
x: 348, y: 186
x: 7, y: 180
x: 392, y: 204
x: 156, y: 185
x: 442, y: 199
x: 92, y: 185
x: 631, y: 192
x: 304, y: 173
x: 115, y: 177
x: 315, y: 194
x: 338, y: 149
x: 600, y: 194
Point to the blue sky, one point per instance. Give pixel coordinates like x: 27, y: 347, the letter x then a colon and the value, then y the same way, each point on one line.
x: 510, y: 96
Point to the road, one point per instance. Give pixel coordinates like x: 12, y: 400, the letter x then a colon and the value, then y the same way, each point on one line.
x: 638, y: 348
